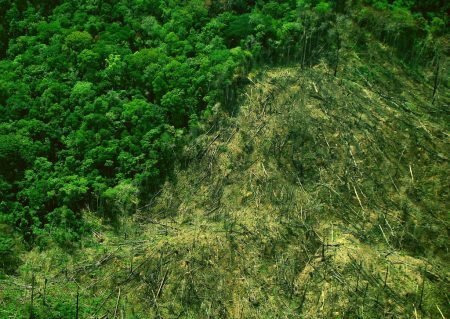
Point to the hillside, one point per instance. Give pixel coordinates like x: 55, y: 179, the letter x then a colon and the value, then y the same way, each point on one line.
x: 313, y: 196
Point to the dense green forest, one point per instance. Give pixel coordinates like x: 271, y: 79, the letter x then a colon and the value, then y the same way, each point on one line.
x: 100, y: 99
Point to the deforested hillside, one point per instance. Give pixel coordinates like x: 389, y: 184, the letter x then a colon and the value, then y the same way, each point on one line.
x: 224, y: 159
x: 315, y: 196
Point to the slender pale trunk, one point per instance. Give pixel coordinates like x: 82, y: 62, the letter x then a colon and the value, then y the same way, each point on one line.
x: 337, y: 53
x: 436, y: 78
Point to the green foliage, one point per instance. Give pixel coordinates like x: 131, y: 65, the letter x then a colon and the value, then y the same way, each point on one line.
x: 323, y: 7
x: 8, y: 251
x: 64, y: 226
x: 78, y: 40
x: 122, y: 199
x: 412, y: 27
x: 436, y: 26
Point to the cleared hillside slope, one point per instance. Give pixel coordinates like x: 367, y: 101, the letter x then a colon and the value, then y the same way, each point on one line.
x: 319, y: 197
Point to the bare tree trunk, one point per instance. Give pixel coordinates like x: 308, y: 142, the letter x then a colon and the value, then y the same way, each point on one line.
x: 337, y: 53
x: 77, y: 304
x: 32, y: 297
x: 304, y: 48
x: 436, y: 77
x: 45, y: 292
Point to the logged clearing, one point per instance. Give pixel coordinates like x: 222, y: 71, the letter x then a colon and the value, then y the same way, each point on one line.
x: 315, y: 197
